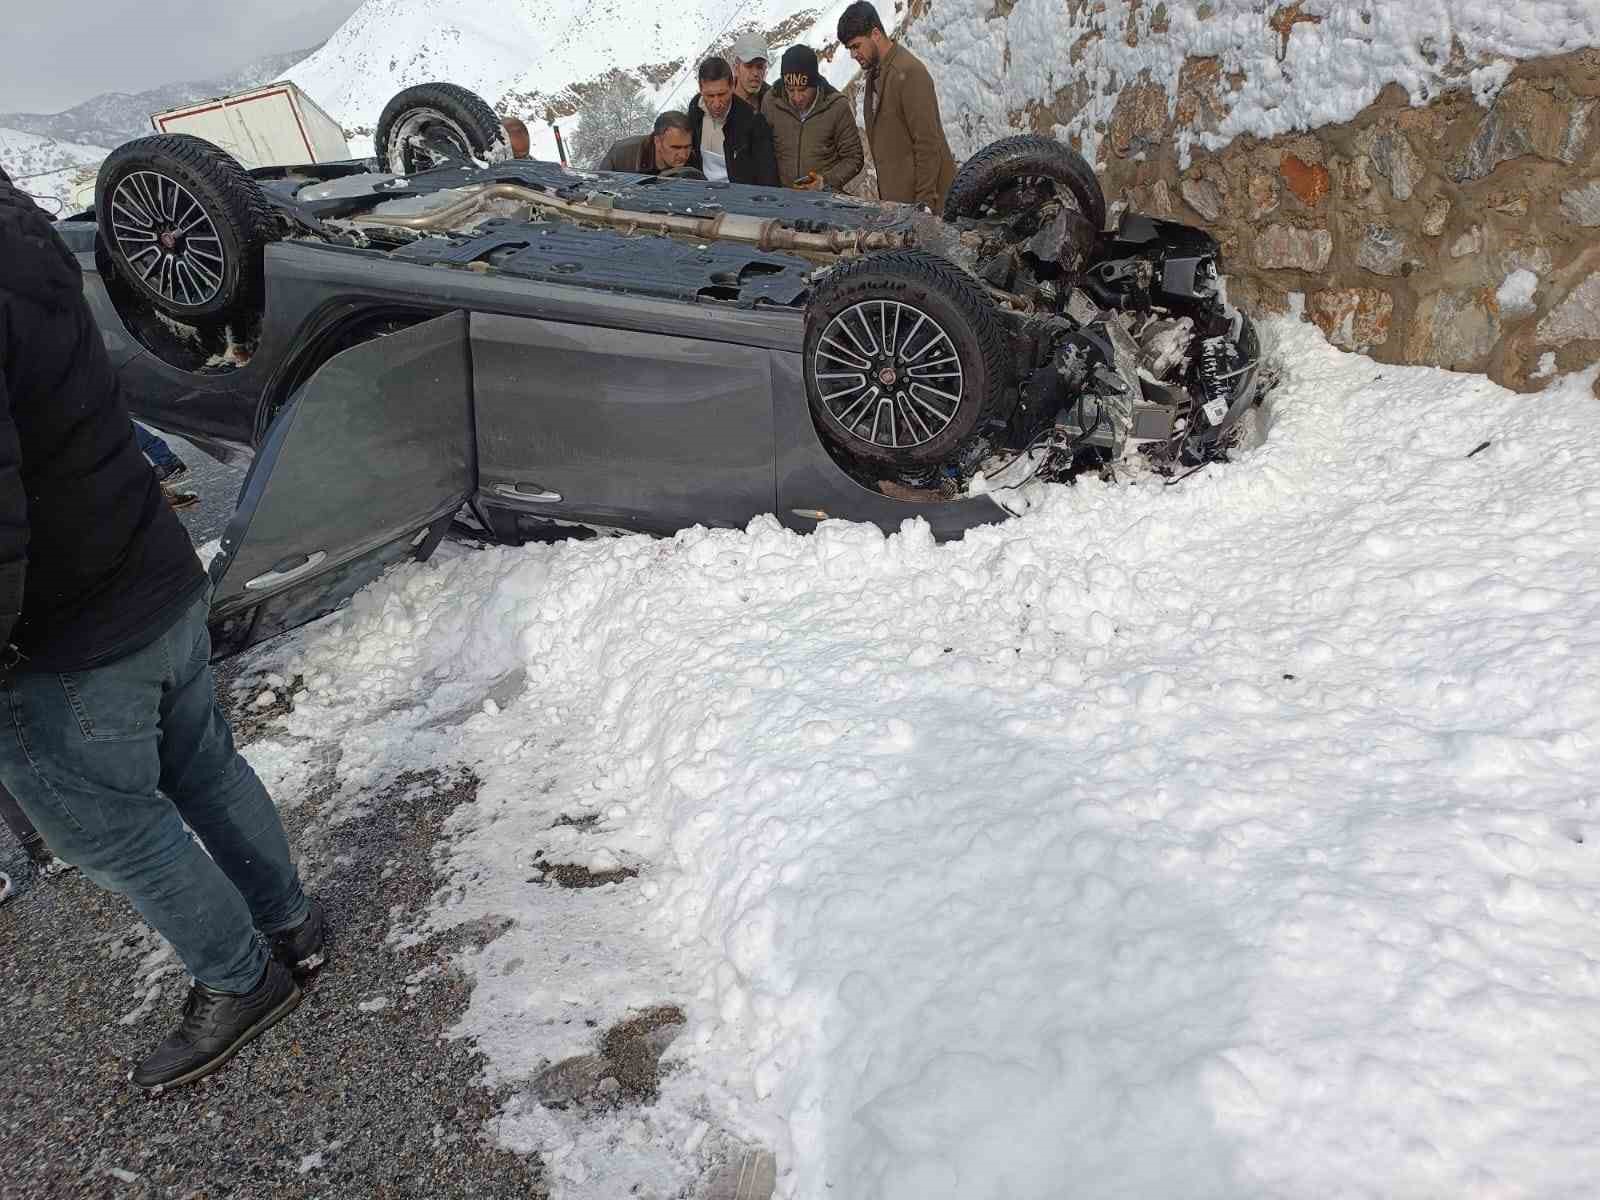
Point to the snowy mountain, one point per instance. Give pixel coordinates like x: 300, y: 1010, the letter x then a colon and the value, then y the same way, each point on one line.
x: 535, y: 58
x: 48, y: 169
x: 112, y: 118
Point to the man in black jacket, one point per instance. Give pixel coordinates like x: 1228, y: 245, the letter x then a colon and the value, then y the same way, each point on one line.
x: 111, y: 738
x: 731, y: 140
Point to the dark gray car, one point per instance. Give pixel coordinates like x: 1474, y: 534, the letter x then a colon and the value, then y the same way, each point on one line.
x: 545, y: 352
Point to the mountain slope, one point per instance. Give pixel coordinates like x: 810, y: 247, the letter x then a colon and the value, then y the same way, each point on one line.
x: 47, y: 168
x: 533, y: 58
x: 112, y: 118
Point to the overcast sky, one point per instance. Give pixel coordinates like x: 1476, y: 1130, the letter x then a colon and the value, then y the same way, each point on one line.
x: 56, y: 54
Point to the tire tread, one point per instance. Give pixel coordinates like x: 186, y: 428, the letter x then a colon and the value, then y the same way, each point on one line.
x: 867, y: 278
x: 1010, y: 156
x: 244, y: 207
x: 459, y: 103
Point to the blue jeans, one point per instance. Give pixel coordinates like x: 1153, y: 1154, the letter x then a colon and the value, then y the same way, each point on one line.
x: 153, y: 447
x: 110, y: 763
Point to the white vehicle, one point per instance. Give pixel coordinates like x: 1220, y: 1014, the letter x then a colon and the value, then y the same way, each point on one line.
x: 276, y: 125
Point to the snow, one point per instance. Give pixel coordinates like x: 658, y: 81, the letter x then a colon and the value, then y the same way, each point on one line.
x: 521, y: 54
x: 1330, y: 68
x: 1228, y: 839
x: 1515, y: 294
x: 49, y: 169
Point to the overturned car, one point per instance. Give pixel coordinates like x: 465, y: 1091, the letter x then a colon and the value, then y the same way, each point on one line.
x: 552, y: 352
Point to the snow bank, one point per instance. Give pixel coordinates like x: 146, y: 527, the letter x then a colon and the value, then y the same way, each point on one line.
x: 1329, y: 66
x: 1227, y: 839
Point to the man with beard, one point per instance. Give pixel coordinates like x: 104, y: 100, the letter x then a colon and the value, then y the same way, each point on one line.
x: 751, y: 58
x: 913, y: 159
x: 813, y: 127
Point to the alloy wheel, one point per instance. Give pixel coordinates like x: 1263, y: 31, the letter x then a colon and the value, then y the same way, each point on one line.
x: 888, y: 374
x: 167, y: 238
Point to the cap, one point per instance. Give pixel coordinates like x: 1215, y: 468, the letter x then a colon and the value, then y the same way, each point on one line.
x: 800, y: 66
x: 749, y: 48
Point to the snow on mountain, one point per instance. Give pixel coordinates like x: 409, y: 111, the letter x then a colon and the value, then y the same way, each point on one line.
x: 534, y: 57
x: 1228, y: 839
x: 112, y: 118
x: 47, y: 168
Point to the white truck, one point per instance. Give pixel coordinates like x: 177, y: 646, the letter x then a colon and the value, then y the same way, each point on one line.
x: 276, y: 125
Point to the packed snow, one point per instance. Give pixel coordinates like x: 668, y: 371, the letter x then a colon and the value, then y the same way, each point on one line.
x: 1232, y: 838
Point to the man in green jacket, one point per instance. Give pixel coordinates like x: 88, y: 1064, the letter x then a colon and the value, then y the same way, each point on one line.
x: 914, y: 162
x: 813, y: 128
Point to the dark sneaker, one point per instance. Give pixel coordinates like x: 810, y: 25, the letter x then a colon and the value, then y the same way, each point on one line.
x: 304, y: 948
x: 172, y: 472
x: 214, y: 1027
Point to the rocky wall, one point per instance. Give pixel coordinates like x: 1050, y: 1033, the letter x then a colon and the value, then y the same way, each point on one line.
x: 1452, y: 233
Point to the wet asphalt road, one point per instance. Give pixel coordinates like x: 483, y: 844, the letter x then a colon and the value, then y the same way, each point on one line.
x: 218, y: 485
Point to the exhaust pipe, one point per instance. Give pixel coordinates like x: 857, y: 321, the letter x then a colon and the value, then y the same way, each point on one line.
x: 764, y: 234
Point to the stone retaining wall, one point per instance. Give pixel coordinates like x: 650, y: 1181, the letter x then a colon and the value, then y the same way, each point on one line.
x: 1449, y: 234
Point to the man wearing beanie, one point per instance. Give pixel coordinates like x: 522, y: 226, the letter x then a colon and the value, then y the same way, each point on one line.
x: 813, y: 127
x: 901, y: 112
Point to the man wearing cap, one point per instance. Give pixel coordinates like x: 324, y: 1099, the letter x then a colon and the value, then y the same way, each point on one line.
x: 813, y: 127
x: 901, y: 112
x: 732, y: 141
x: 750, y: 60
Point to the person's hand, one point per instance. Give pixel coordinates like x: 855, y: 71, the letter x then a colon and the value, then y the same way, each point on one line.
x: 811, y: 183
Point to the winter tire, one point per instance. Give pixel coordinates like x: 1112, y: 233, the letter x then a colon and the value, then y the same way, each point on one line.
x: 1016, y: 174
x: 904, y: 358
x: 184, y: 225
x: 433, y: 124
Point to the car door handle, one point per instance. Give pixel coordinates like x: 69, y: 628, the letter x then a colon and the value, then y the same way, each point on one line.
x: 528, y: 491
x: 283, y: 574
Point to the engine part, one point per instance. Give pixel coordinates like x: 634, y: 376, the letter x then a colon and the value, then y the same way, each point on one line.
x: 1213, y: 376
x: 1122, y: 283
x: 463, y: 205
x: 1163, y: 343
x: 1066, y: 241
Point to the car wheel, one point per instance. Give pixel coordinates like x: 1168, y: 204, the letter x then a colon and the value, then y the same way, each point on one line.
x: 434, y: 124
x: 904, y: 358
x: 184, y: 225
x: 1015, y: 175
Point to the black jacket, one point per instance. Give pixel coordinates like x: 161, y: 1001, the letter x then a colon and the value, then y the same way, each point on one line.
x: 93, y: 564
x: 634, y: 155
x: 747, y: 141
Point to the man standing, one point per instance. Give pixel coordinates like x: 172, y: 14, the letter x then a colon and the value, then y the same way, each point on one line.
x: 914, y: 162
x: 751, y: 58
x: 668, y: 146
x: 111, y: 738
x: 813, y: 127
x: 732, y: 140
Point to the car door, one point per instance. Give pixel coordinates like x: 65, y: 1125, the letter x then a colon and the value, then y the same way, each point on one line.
x: 616, y: 427
x: 363, y: 468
